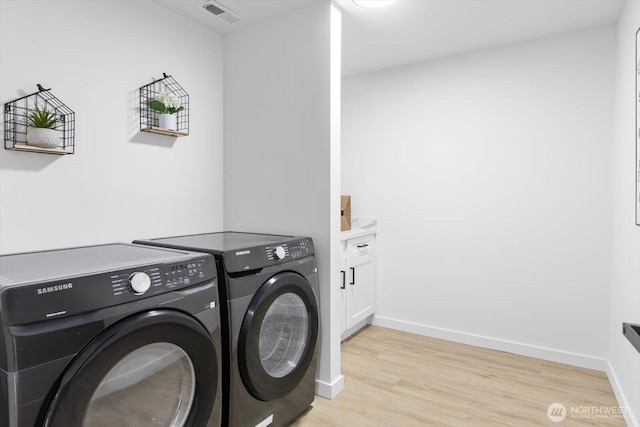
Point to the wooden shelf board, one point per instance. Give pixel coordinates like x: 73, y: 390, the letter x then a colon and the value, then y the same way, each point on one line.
x: 34, y: 149
x: 163, y: 131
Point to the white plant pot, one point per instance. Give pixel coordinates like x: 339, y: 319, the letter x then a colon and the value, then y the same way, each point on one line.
x: 168, y: 121
x: 43, y: 137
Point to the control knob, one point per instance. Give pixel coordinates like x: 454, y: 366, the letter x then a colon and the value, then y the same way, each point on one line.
x: 140, y: 282
x: 279, y: 252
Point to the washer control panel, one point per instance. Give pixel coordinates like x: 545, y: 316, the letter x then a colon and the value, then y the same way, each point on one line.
x: 135, y: 282
x: 78, y: 294
x: 157, y: 279
x: 184, y: 274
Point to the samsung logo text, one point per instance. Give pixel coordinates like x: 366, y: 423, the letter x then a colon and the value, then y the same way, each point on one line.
x: 247, y: 252
x: 55, y: 288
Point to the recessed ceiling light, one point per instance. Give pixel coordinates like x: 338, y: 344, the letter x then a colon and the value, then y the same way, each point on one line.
x: 374, y: 3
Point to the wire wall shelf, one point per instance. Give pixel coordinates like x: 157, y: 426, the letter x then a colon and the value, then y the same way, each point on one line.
x: 20, y: 135
x: 164, y: 94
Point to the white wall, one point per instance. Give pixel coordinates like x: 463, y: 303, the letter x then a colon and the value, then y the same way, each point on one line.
x: 277, y: 150
x: 625, y: 291
x: 490, y: 176
x: 120, y: 184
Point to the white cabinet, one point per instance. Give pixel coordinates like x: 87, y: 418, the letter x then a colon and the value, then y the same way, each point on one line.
x: 358, y: 290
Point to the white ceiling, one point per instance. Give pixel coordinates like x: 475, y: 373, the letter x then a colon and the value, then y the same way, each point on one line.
x: 250, y: 12
x: 417, y: 30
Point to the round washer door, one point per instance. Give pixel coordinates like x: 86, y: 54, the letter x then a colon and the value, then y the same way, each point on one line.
x: 278, y: 336
x: 156, y: 368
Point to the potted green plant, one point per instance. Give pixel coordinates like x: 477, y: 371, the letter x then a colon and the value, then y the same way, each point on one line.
x: 41, y: 130
x: 168, y: 105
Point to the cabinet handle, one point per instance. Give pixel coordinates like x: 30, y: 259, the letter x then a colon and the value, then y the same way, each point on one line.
x: 353, y: 276
x: 343, y: 279
x: 363, y: 246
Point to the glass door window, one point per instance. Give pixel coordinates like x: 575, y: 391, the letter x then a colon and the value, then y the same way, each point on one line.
x: 284, y: 335
x: 157, y: 368
x: 278, y: 336
x: 153, y: 383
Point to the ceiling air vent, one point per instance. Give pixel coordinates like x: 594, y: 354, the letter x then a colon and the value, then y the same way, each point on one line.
x: 221, y: 12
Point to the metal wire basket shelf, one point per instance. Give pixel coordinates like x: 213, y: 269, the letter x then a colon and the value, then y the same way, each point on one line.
x: 150, y: 120
x: 18, y: 114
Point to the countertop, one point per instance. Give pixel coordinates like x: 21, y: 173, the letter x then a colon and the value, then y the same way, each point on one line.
x: 360, y: 227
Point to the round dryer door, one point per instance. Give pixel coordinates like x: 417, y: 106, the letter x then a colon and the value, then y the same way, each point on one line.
x: 278, y: 336
x: 155, y: 368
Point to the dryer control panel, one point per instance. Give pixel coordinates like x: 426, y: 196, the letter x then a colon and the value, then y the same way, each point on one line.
x: 287, y: 251
x: 254, y: 258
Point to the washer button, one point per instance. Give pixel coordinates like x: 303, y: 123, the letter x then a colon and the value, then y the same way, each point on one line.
x: 279, y: 252
x: 140, y: 282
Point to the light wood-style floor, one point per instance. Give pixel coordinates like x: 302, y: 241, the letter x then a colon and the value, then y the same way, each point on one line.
x: 400, y: 379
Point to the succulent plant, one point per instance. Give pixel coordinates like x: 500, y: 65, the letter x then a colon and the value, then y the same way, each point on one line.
x: 42, y: 118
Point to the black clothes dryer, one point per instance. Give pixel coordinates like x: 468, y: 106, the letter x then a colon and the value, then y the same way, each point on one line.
x: 268, y: 293
x: 110, y: 335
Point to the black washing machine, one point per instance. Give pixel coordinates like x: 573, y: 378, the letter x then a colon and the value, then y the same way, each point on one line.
x: 269, y: 310
x: 110, y: 335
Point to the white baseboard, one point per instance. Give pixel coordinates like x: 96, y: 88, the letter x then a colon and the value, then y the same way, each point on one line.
x: 329, y: 391
x: 496, y: 344
x: 623, y: 402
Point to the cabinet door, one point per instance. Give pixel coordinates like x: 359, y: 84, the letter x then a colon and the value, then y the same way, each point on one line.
x: 360, y: 288
x: 343, y: 297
